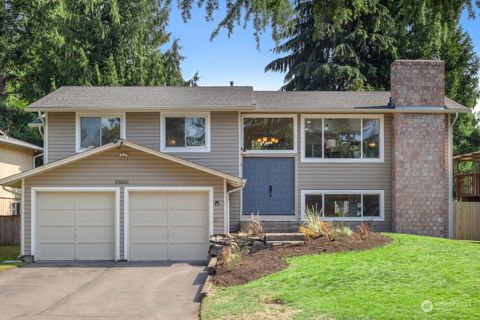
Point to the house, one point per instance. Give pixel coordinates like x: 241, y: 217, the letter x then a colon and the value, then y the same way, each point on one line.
x: 147, y: 173
x: 15, y: 156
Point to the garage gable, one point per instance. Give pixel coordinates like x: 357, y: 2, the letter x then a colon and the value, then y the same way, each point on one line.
x: 121, y: 148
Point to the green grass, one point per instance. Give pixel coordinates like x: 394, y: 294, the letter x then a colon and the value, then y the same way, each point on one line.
x: 8, y: 252
x: 389, y: 282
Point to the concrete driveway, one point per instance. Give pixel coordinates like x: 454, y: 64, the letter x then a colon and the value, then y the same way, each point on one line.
x: 102, y: 291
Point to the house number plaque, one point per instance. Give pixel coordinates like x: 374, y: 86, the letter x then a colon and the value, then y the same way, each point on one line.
x: 121, y: 182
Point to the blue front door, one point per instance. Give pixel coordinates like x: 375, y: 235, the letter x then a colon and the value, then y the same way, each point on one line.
x: 270, y: 186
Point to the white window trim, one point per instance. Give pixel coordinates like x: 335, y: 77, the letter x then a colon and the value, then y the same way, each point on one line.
x: 33, y: 222
x: 126, y: 218
x: 268, y: 115
x: 164, y: 148
x: 78, y: 130
x: 361, y: 192
x: 381, y: 157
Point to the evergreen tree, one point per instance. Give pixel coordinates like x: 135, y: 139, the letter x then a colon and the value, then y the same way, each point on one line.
x: 337, y: 47
x: 45, y: 44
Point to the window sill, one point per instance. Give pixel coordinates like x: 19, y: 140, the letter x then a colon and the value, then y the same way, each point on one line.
x: 271, y: 217
x: 332, y: 160
x: 353, y: 219
x: 184, y: 150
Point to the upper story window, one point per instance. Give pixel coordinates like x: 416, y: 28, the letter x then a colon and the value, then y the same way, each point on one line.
x: 185, y: 133
x: 97, y: 130
x: 269, y: 133
x: 342, y: 138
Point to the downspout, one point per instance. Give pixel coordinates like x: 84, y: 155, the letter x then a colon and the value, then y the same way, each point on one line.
x: 228, y: 200
x: 450, y: 176
x: 35, y: 158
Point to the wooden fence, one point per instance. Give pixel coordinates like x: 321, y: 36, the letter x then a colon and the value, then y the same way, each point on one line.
x: 9, y: 229
x: 467, y: 220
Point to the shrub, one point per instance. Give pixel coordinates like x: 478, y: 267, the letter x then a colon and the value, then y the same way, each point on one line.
x: 364, y: 230
x: 314, y: 227
x: 254, y: 228
x: 342, y: 230
x: 232, y: 254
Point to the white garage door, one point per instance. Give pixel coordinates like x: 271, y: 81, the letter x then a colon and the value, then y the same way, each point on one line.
x: 168, y: 226
x: 75, y: 226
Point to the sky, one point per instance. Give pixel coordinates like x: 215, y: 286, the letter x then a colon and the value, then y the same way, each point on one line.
x: 237, y: 58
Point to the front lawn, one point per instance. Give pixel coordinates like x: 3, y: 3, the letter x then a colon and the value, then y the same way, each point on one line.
x: 412, y: 278
x: 8, y: 252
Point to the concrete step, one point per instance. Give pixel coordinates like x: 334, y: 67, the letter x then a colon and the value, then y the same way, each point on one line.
x: 292, y: 236
x: 281, y: 243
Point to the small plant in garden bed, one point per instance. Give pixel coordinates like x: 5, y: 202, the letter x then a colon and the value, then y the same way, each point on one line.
x: 232, y: 254
x: 364, y: 229
x: 342, y: 230
x: 254, y: 228
x: 314, y: 227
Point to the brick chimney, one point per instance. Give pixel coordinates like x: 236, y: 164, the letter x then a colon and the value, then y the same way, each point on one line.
x: 418, y: 83
x: 420, y: 148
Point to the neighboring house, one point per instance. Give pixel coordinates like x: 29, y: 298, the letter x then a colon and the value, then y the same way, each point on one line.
x: 181, y: 157
x: 15, y: 156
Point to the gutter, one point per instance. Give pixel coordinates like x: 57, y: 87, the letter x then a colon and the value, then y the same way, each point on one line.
x: 450, y: 176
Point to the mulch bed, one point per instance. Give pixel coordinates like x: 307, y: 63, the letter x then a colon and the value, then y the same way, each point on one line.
x: 272, y: 260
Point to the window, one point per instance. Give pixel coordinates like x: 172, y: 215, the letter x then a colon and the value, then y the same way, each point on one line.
x: 344, y: 205
x: 346, y: 138
x: 185, y: 133
x: 269, y: 133
x: 15, y: 208
x: 97, y: 130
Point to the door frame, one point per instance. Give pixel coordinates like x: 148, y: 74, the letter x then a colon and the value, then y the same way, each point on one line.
x: 34, y: 195
x: 126, y: 209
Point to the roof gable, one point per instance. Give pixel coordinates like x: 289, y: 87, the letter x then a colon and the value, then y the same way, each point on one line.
x: 14, y: 179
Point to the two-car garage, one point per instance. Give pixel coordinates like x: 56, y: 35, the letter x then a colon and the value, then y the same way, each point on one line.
x: 122, y: 201
x: 159, y: 223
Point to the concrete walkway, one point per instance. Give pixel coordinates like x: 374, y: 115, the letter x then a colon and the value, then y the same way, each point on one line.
x: 102, y: 291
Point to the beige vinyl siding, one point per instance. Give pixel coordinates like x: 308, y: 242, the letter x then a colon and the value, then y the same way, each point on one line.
x: 143, y: 128
x: 61, y: 135
x: 138, y: 168
x: 12, y: 160
x: 352, y: 176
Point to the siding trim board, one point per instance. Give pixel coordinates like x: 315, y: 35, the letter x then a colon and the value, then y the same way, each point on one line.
x: 33, y: 209
x: 126, y: 218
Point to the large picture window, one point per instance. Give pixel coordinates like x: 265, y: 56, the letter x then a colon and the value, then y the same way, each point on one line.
x: 344, y: 205
x: 265, y: 134
x: 188, y: 133
x: 342, y: 138
x: 97, y: 130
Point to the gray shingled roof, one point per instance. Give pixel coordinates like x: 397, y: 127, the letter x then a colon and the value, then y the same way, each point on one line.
x: 218, y: 98
x: 18, y: 143
x: 306, y: 100
x: 191, y: 98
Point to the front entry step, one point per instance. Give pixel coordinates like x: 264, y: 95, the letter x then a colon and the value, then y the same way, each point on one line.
x: 284, y: 237
x: 276, y: 226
